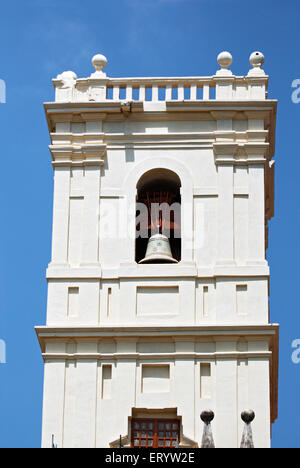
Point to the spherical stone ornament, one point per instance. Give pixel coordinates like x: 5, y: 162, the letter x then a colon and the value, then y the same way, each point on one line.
x: 68, y: 79
x: 248, y: 416
x: 67, y: 75
x: 99, y: 62
x: 207, y: 416
x: 225, y: 59
x: 257, y: 59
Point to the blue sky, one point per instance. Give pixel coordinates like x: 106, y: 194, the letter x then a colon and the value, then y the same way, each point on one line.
x: 40, y: 39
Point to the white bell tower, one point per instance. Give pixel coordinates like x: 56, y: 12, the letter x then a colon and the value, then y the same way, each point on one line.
x: 142, y: 337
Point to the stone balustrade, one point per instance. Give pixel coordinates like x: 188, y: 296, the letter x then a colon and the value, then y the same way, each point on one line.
x: 221, y: 86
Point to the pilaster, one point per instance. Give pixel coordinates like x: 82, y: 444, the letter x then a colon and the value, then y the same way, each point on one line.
x: 224, y: 154
x: 256, y: 155
x: 54, y: 401
x: 61, y: 206
x: 91, y: 213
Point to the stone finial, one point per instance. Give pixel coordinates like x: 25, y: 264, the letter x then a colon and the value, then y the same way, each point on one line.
x: 247, y: 438
x: 99, y: 62
x: 207, y: 439
x: 68, y: 79
x: 224, y: 60
x: 207, y: 416
x: 248, y: 416
x: 257, y: 59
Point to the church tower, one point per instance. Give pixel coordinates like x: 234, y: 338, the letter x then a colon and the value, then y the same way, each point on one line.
x: 158, y: 283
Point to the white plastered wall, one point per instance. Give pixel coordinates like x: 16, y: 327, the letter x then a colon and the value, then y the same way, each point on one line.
x: 81, y: 415
x: 95, y: 282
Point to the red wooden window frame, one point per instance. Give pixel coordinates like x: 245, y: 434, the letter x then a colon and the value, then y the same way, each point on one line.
x: 155, y: 433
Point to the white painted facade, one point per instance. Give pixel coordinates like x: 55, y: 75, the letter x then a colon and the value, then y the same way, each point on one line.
x: 125, y: 340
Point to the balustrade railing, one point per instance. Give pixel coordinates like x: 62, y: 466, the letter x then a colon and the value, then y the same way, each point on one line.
x: 221, y: 86
x: 160, y: 89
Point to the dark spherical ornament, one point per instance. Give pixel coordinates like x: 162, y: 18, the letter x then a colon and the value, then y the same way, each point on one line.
x: 207, y: 416
x: 248, y: 416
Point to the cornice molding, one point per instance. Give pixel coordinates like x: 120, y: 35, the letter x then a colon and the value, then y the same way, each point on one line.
x: 78, y: 155
x: 105, y: 107
x: 218, y: 105
x: 150, y: 356
x: 216, y: 331
x: 171, y: 271
x: 223, y: 115
x: 85, y: 142
x: 241, y: 153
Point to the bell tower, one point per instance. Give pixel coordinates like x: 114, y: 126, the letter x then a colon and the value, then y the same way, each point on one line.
x: 158, y: 283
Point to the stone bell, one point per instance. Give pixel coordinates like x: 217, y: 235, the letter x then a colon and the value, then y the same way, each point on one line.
x: 158, y: 250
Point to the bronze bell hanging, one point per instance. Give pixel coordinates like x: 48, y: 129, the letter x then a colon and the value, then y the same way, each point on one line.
x: 158, y: 250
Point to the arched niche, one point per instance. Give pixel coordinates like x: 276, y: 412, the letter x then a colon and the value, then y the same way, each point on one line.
x: 158, y: 211
x: 129, y: 189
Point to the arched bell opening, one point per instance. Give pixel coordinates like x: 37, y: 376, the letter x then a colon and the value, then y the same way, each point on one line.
x: 158, y: 218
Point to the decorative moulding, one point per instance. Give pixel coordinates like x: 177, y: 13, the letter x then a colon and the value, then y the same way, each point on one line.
x: 240, y: 153
x: 83, y: 155
x: 58, y: 271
